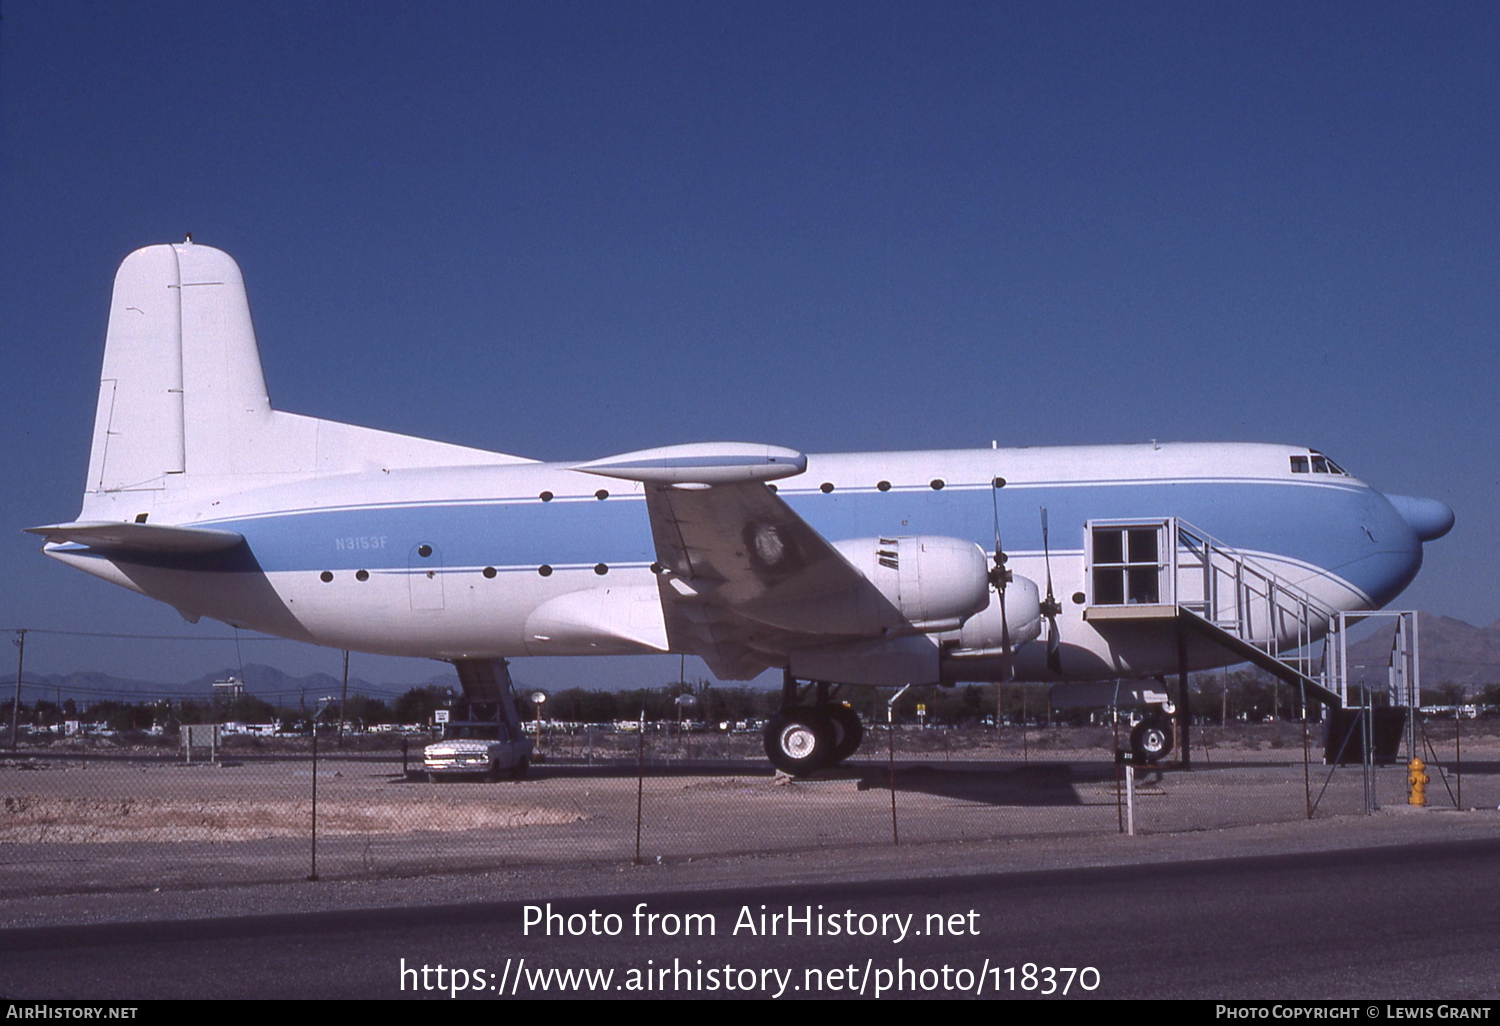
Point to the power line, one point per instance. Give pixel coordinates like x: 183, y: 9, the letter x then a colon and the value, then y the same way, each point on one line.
x: 153, y: 694
x: 141, y: 637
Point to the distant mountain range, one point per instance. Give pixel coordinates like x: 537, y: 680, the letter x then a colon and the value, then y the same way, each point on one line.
x: 1452, y: 651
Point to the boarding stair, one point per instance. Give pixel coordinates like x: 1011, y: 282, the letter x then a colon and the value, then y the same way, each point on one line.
x: 1168, y: 570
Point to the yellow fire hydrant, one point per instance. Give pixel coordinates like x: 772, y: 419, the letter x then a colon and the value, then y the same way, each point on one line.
x: 1416, y: 782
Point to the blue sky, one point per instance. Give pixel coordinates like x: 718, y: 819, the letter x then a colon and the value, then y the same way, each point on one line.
x: 570, y: 229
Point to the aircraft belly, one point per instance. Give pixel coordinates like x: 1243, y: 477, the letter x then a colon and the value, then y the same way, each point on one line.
x: 622, y: 618
x: 515, y: 613
x: 479, y: 617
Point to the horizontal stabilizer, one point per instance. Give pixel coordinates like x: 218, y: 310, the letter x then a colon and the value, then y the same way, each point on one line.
x: 125, y: 536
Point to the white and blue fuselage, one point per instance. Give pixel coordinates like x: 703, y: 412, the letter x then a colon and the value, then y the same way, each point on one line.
x: 202, y: 496
x: 339, y: 561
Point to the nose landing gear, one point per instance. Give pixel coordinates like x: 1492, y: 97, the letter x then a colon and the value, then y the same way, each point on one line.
x: 1151, y: 740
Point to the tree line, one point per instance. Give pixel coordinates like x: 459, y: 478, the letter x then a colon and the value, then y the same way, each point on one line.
x: 1217, y: 696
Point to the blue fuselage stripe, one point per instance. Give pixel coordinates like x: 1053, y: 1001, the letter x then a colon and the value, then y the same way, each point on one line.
x: 1353, y: 532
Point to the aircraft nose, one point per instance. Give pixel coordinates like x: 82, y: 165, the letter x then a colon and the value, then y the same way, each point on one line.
x: 1429, y: 518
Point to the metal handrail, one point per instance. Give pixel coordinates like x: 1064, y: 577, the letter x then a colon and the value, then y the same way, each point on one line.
x: 1230, y: 590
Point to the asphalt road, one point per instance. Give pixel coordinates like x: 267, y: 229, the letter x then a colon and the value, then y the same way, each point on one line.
x: 1408, y: 921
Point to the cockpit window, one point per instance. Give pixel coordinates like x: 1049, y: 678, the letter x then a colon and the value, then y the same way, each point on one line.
x: 1316, y: 463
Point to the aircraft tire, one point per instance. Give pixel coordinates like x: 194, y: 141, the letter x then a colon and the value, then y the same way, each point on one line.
x: 521, y: 768
x: 848, y: 731
x: 800, y: 741
x: 1151, y: 740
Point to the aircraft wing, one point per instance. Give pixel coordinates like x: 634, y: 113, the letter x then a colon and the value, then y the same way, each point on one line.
x: 141, y: 539
x: 744, y: 580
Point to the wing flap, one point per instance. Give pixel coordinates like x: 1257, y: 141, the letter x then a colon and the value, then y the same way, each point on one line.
x: 741, y: 548
x: 746, y: 581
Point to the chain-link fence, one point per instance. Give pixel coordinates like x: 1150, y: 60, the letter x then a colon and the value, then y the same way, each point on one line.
x: 89, y: 814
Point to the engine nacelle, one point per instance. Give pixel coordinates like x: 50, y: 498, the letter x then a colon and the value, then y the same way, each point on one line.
x: 935, y: 583
x: 985, y: 634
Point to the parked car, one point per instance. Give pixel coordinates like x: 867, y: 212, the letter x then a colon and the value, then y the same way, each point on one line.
x: 477, y: 748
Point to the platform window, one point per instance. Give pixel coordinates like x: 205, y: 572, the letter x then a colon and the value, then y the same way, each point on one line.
x: 1299, y: 465
x: 1126, y: 564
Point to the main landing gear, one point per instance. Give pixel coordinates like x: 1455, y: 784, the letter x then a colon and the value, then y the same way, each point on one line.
x: 802, y: 739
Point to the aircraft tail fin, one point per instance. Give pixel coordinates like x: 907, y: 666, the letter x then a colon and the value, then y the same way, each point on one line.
x: 182, y: 398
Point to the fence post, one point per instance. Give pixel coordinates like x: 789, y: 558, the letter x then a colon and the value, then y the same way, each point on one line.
x: 15, y: 707
x: 1458, y: 755
x: 890, y: 733
x: 1306, y: 756
x: 640, y: 781
x: 1114, y: 710
x: 314, y: 874
x: 343, y: 700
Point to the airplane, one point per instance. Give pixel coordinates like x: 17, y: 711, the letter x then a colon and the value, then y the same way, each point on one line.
x: 881, y: 569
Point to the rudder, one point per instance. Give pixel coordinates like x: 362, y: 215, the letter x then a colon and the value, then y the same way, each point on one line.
x: 138, y: 425
x: 180, y: 350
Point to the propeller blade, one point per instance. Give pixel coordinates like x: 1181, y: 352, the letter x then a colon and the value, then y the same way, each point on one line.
x: 1000, y: 577
x: 1050, y: 607
x: 1054, y: 646
x: 1008, y: 667
x: 995, y: 511
x: 1046, y: 553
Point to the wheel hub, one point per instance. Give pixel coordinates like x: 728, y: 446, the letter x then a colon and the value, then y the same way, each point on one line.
x: 798, y: 741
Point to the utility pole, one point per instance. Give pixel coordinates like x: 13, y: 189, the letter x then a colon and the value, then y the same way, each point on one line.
x: 15, y: 706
